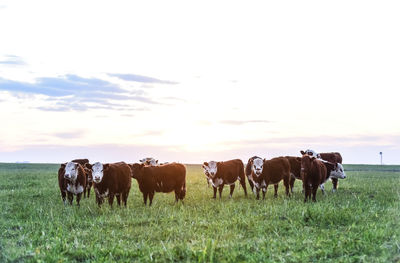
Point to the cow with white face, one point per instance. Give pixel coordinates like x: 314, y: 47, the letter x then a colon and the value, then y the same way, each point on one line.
x: 149, y: 161
x: 72, y: 181
x: 311, y: 153
x: 111, y: 180
x: 334, y: 171
x: 220, y: 173
x: 256, y: 171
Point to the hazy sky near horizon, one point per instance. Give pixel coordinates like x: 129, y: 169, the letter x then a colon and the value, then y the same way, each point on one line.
x: 196, y: 81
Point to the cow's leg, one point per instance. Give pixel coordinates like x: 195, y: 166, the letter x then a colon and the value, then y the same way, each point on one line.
x: 314, y: 192
x: 118, y: 199
x: 257, y: 192
x: 251, y: 185
x: 111, y: 199
x: 176, y: 196
x: 70, y: 197
x: 125, y: 197
x: 232, y: 189
x: 276, y: 190
x: 151, y: 195
x: 63, y: 196
x: 88, y: 191
x: 243, y: 184
x: 215, y: 192
x: 145, y: 198
x: 322, y: 186
x: 264, y: 190
x: 286, y: 182
x: 335, y: 184
x: 84, y: 192
x: 78, y: 198
x: 220, y: 190
x: 291, y: 183
x: 306, y: 188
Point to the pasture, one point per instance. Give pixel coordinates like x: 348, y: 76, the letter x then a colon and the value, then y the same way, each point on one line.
x: 359, y: 223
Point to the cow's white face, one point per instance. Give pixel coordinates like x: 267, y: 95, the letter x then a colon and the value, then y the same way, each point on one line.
x: 97, y: 172
x: 71, y: 171
x: 210, y: 168
x: 149, y: 161
x: 338, y: 172
x: 312, y: 153
x: 257, y: 166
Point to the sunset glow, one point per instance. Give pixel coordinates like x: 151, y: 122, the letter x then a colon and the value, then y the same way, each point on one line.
x: 194, y: 82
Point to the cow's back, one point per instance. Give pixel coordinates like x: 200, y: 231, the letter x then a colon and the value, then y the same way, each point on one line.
x: 165, y: 178
x: 230, y: 168
x: 333, y: 157
x: 119, y: 175
x: 295, y: 165
x: 276, y: 169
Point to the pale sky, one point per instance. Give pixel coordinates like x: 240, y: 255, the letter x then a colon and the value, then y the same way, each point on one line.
x: 197, y: 81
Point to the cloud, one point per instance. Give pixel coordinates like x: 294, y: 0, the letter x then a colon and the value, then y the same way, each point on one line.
x: 143, y: 79
x: 12, y: 60
x: 72, y: 92
x: 241, y: 122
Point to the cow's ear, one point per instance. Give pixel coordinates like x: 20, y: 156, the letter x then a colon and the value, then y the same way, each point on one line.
x: 205, y: 164
x: 302, y: 152
x: 89, y: 166
x: 298, y: 159
x: 156, y: 161
x: 105, y: 166
x: 142, y: 160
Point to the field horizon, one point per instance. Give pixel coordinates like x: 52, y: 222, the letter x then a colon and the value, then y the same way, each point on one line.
x: 359, y: 223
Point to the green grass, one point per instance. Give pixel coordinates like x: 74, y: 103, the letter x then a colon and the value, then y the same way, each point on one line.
x: 360, y: 223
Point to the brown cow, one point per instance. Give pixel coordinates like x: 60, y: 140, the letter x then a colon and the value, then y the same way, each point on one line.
x: 295, y: 167
x: 248, y: 171
x: 111, y: 180
x: 164, y: 178
x: 222, y: 173
x: 333, y: 157
x: 72, y: 181
x: 266, y: 172
x: 89, y: 181
x: 313, y: 172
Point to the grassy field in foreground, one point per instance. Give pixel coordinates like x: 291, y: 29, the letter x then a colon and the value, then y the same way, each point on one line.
x: 359, y: 223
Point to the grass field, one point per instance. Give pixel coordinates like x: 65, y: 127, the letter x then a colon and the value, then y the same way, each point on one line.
x: 359, y: 223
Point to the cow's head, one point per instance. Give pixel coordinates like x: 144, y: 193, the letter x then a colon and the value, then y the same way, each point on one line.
x: 257, y: 166
x: 98, y: 171
x: 210, y: 168
x: 306, y: 161
x: 338, y: 171
x: 71, y: 171
x: 149, y: 161
x: 310, y: 153
x: 137, y: 170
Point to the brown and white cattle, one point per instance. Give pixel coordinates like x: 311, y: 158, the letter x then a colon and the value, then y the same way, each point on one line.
x: 164, y: 178
x: 149, y: 161
x: 248, y: 171
x: 222, y: 173
x: 109, y: 180
x: 266, y: 172
x: 72, y: 181
x: 313, y: 173
x: 334, y: 171
x: 333, y: 157
x: 89, y: 181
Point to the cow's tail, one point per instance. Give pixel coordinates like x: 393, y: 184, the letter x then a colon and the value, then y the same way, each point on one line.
x: 183, y: 190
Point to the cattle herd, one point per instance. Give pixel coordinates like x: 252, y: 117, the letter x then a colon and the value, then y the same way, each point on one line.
x: 114, y: 179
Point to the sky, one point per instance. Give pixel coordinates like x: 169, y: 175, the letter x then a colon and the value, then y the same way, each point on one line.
x: 194, y: 81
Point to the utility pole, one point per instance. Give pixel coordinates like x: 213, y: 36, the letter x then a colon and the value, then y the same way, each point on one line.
x: 381, y: 157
